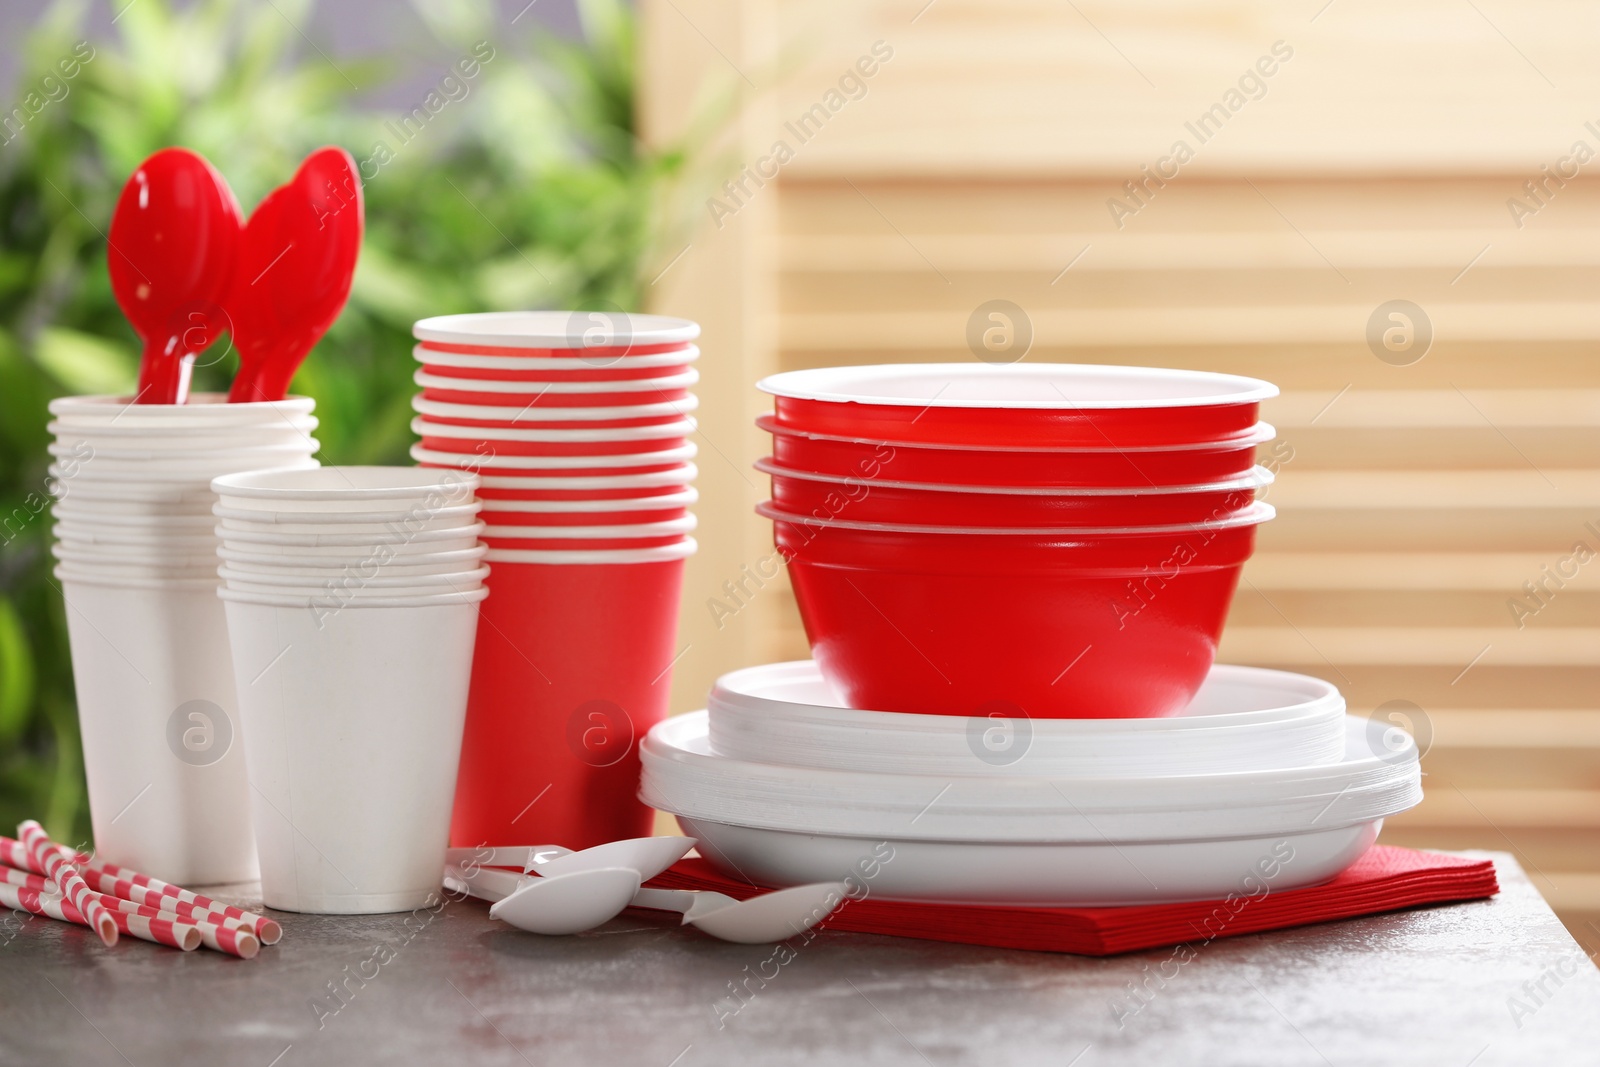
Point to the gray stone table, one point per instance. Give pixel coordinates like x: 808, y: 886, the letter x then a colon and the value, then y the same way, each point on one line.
x: 1490, y: 982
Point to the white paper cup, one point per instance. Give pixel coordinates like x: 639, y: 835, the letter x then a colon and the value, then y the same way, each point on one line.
x: 142, y: 466
x: 133, y: 527
x: 358, y: 484
x: 398, y: 523
x: 161, y: 740
x: 152, y: 480
x: 100, y: 571
x: 203, y: 410
x: 288, y: 583
x: 334, y: 565
x: 358, y: 545
x: 353, y: 722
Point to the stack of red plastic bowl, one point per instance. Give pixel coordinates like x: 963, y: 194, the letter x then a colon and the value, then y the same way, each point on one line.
x: 1049, y: 540
x: 578, y: 426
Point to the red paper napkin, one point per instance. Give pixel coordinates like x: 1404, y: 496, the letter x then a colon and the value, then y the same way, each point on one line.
x: 1384, y: 879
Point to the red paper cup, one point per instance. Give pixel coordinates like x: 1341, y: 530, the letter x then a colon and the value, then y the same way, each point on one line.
x: 615, y: 512
x: 589, y: 441
x: 1044, y: 625
x: 1061, y: 467
x: 513, y: 487
x: 595, y: 535
x: 526, y: 418
x: 572, y: 668
x: 501, y: 394
x: 1019, y: 405
x: 489, y: 462
x: 880, y: 500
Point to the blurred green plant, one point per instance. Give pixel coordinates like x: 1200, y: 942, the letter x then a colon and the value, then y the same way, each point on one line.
x: 525, y: 187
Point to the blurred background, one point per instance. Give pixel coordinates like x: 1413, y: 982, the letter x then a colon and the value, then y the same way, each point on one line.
x: 1389, y: 211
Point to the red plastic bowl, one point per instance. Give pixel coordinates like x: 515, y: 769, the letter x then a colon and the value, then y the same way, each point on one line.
x: 1019, y: 405
x: 522, y: 417
x: 1064, y: 467
x: 1048, y: 626
x: 877, y: 500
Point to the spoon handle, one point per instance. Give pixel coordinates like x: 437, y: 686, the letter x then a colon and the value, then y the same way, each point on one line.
x: 163, y: 375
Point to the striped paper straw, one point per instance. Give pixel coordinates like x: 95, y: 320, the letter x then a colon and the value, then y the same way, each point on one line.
x: 216, y: 932
x: 112, y: 880
x: 53, y: 863
x: 161, y: 931
x: 168, y: 905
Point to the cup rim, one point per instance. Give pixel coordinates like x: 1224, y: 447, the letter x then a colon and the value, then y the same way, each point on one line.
x: 95, y: 404
x: 416, y: 559
x: 1253, y: 515
x: 424, y: 380
x: 441, y: 409
x: 851, y: 385
x: 159, y: 582
x: 677, y: 455
x: 425, y: 355
x: 683, y: 499
x: 271, y: 519
x: 598, y: 556
x: 684, y: 475
x: 666, y: 528
x: 442, y: 600
x: 340, y: 540
x: 1257, y: 477
x: 290, y: 580
x: 682, y: 428
x: 546, y: 329
x: 281, y: 483
x: 1259, y: 434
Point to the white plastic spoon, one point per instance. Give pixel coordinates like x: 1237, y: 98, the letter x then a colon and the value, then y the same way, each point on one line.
x: 758, y: 921
x: 647, y: 855
x: 569, y: 903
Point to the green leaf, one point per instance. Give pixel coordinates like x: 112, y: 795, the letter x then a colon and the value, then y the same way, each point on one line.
x: 84, y: 363
x: 16, y: 673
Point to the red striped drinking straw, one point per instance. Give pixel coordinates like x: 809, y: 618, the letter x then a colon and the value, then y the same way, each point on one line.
x: 112, y: 880
x: 53, y: 863
x: 162, y: 931
x: 217, y: 933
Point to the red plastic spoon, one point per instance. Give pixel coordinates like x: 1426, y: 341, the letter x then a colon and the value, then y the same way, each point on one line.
x: 174, y: 239
x: 295, y: 266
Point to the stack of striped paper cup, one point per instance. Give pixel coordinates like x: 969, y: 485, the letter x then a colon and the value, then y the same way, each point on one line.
x: 578, y: 424
x: 137, y: 561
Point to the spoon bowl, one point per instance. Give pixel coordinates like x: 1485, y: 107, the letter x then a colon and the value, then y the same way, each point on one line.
x: 171, y: 250
x: 568, y: 903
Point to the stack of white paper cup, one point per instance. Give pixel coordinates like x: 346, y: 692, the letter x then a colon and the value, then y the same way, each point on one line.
x: 137, y: 561
x: 351, y: 595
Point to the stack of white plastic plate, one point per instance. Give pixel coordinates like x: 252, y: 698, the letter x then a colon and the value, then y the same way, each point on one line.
x: 1262, y: 773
